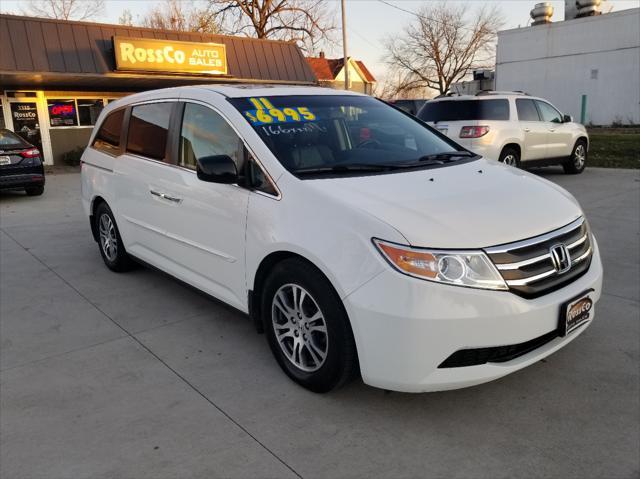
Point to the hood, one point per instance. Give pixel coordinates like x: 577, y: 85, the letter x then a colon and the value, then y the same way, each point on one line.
x: 472, y: 205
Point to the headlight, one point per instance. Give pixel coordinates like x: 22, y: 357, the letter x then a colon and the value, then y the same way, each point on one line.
x: 462, y: 268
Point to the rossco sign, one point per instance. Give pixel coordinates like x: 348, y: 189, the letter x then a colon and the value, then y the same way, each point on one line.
x: 140, y: 54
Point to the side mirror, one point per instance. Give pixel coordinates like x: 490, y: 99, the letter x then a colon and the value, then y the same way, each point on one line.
x: 567, y: 119
x: 217, y: 169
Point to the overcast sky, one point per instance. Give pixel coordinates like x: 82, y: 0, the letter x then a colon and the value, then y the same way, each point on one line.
x: 368, y: 21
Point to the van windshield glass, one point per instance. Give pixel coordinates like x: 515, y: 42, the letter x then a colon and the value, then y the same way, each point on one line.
x: 338, y: 134
x: 460, y: 110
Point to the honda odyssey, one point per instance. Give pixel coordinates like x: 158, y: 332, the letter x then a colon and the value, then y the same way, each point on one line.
x: 358, y: 238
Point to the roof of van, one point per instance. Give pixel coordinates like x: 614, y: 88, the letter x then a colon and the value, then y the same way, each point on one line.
x: 233, y: 91
x: 485, y: 95
x: 246, y: 90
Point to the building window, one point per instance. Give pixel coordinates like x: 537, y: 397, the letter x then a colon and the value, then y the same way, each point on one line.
x: 74, y: 111
x: 62, y: 112
x: 89, y: 110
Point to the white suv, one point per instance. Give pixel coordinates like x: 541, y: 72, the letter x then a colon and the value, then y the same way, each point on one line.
x: 510, y: 127
x: 355, y: 237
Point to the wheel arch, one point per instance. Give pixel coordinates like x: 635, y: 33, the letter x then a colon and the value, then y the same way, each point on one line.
x: 262, y: 272
x: 512, y: 144
x: 580, y: 138
x: 95, y: 202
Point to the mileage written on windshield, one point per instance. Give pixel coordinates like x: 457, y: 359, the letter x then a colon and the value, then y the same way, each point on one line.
x: 266, y: 114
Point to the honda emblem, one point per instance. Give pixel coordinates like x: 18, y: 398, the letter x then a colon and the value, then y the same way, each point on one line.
x: 560, y: 258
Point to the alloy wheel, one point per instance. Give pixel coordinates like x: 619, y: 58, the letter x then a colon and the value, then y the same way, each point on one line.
x: 579, y: 156
x: 510, y: 160
x: 108, y: 237
x: 300, y: 328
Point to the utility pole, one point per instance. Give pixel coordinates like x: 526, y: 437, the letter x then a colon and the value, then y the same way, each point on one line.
x: 344, y: 45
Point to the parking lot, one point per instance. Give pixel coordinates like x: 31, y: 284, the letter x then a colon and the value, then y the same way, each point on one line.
x: 134, y: 375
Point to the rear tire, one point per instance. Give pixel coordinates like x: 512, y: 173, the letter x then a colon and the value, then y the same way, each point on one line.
x: 510, y: 156
x: 577, y: 162
x: 34, y: 190
x: 110, y: 243
x: 319, y: 354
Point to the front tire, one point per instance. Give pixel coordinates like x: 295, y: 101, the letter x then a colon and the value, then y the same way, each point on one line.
x: 307, y: 327
x: 111, y: 246
x: 578, y: 159
x: 510, y: 156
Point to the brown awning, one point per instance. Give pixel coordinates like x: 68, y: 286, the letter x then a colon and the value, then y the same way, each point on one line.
x: 39, y: 53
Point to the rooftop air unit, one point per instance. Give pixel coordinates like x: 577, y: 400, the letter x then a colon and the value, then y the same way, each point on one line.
x: 581, y: 8
x: 542, y: 13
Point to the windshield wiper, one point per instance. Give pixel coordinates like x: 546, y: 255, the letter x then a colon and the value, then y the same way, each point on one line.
x: 347, y: 168
x: 440, y: 158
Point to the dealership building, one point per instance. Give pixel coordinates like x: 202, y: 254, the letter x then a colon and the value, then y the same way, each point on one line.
x: 56, y: 76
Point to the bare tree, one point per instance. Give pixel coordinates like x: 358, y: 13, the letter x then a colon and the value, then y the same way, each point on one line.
x: 126, y: 18
x: 65, y: 9
x: 308, y: 22
x: 442, y: 46
x: 180, y: 16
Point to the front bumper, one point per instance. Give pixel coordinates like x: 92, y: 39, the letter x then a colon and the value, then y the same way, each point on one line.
x: 406, y: 327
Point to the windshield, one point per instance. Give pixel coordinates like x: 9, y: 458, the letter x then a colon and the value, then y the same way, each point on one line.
x: 343, y: 134
x: 10, y: 139
x: 459, y: 110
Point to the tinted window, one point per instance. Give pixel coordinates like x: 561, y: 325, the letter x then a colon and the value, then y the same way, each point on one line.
x: 548, y: 113
x: 206, y: 133
x: 108, y: 137
x: 258, y: 179
x: 337, y: 132
x: 527, y: 110
x: 88, y: 111
x: 10, y: 139
x: 148, y: 129
x: 459, y: 110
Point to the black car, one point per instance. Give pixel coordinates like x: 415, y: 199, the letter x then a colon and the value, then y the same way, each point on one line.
x: 410, y: 106
x: 20, y: 164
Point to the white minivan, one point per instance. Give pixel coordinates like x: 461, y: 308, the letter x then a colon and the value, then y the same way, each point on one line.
x: 359, y: 239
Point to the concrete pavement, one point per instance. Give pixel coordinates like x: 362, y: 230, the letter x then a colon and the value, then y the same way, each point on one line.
x: 133, y: 375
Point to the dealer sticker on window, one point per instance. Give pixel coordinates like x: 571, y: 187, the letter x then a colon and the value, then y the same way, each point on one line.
x: 266, y: 114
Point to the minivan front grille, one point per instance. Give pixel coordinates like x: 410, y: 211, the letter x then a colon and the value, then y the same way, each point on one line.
x: 528, y: 266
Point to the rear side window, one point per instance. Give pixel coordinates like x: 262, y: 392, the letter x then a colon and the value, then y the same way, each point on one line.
x: 148, y: 130
x: 461, y: 110
x: 527, y: 110
x: 206, y: 133
x: 107, y: 139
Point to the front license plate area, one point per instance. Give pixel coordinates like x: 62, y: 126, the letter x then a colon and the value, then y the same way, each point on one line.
x: 576, y: 312
x: 5, y: 160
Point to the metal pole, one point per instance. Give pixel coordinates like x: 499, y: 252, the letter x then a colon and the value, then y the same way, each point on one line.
x: 344, y: 46
x: 583, y: 110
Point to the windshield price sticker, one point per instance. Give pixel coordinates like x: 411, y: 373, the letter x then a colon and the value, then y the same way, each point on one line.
x: 266, y: 114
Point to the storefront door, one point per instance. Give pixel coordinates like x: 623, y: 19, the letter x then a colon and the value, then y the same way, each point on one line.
x: 26, y: 121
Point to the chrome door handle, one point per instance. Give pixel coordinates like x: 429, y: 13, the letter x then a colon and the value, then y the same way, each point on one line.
x: 165, y: 196
x: 527, y: 130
